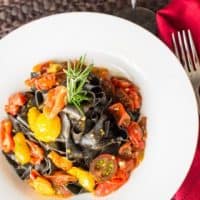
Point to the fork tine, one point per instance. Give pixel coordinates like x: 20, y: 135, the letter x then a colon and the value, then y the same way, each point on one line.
x: 175, y: 46
x: 187, y: 51
x: 183, y: 56
x: 194, y: 51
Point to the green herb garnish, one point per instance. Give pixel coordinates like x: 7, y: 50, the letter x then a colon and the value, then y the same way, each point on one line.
x: 77, y: 75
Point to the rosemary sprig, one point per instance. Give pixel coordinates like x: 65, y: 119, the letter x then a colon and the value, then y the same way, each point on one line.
x: 77, y: 75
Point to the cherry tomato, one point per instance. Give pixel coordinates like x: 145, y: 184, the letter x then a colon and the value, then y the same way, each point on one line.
x: 126, y: 165
x: 126, y: 151
x: 121, y: 116
x: 136, y: 135
x: 37, y: 153
x: 103, y: 167
x: 109, y: 186
x: 6, y: 138
x: 123, y: 97
x: 121, y: 82
x: 15, y: 101
x: 55, y: 101
x: 137, y: 99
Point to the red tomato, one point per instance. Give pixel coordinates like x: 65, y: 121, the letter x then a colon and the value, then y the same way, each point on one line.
x: 121, y: 82
x: 137, y: 99
x: 37, y: 153
x: 126, y: 165
x: 123, y: 97
x: 6, y: 139
x: 55, y: 101
x: 126, y: 151
x: 15, y: 101
x: 121, y: 116
x: 136, y: 135
x: 116, y: 182
x: 103, y: 167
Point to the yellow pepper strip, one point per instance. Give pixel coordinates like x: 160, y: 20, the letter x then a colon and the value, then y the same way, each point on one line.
x: 85, y: 178
x: 21, y: 150
x: 44, y: 129
x: 42, y: 186
x: 54, y: 67
x: 33, y: 114
x: 60, y: 161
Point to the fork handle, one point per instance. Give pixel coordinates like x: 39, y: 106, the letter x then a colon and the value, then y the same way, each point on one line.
x: 198, y: 99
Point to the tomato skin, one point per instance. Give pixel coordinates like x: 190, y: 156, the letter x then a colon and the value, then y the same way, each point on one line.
x: 123, y: 97
x: 15, y: 101
x: 127, y: 93
x: 126, y: 151
x: 116, y: 182
x: 55, y: 101
x: 120, y: 82
x: 126, y: 165
x: 121, y: 116
x: 6, y: 138
x: 103, y: 167
x: 136, y: 135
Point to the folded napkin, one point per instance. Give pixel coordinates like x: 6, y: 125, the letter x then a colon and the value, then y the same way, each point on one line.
x: 179, y: 15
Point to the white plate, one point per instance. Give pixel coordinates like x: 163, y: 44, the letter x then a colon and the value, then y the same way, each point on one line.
x: 169, y: 101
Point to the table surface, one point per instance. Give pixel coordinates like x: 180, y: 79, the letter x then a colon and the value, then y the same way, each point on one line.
x: 14, y: 13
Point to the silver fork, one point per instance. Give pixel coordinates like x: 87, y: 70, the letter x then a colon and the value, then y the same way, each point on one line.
x: 186, y: 52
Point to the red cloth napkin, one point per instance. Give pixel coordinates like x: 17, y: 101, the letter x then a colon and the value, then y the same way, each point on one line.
x: 179, y: 15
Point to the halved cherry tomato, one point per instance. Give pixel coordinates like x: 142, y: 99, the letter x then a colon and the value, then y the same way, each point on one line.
x: 137, y: 99
x: 109, y: 186
x: 123, y: 97
x: 126, y: 165
x: 136, y: 135
x: 55, y: 101
x: 6, y: 138
x: 121, y: 82
x: 103, y: 167
x: 60, y: 178
x: 15, y: 101
x: 126, y: 151
x: 37, y: 153
x: 43, y: 82
x: 121, y: 116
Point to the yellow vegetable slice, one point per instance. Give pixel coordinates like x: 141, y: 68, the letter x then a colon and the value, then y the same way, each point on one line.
x: 42, y: 186
x: 33, y: 114
x: 60, y: 161
x: 85, y: 178
x: 45, y: 129
x: 21, y: 150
